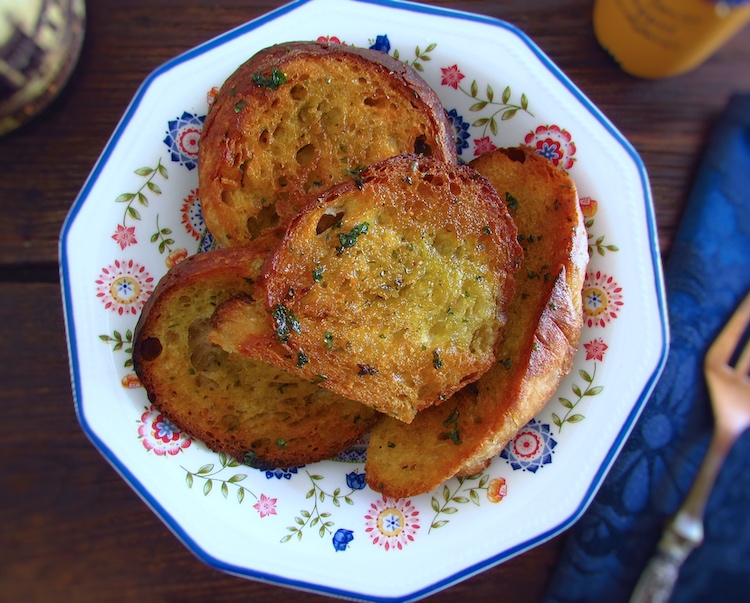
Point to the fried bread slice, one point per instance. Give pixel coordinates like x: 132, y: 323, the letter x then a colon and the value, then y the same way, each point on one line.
x: 248, y: 409
x: 297, y: 118
x: 537, y: 348
x: 391, y: 289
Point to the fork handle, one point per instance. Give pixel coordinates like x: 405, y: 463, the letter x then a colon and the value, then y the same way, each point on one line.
x: 658, y: 579
x: 685, y: 531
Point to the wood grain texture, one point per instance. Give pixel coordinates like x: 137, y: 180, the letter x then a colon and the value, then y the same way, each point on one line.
x: 72, y: 529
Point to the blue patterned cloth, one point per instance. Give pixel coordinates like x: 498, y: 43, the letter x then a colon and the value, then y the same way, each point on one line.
x: 707, y: 275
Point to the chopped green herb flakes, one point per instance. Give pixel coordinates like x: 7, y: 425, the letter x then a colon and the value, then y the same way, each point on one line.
x: 286, y: 323
x: 349, y: 239
x: 454, y: 435
x: 511, y: 201
x: 272, y: 82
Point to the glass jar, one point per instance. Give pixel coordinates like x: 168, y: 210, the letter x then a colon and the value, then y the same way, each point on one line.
x: 663, y: 38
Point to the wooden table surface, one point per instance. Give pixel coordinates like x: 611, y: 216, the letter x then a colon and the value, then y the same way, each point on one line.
x: 72, y: 529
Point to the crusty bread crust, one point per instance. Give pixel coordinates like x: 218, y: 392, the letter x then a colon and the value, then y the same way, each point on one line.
x: 393, y: 288
x: 250, y: 410
x: 297, y: 118
x: 537, y: 349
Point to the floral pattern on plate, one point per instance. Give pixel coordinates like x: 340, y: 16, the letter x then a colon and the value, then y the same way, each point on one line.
x: 125, y: 286
x: 145, y: 203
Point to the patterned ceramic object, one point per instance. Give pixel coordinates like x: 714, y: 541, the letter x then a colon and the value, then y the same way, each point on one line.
x: 319, y: 527
x: 40, y: 42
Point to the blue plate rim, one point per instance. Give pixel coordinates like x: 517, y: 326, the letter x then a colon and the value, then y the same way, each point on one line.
x: 461, y: 575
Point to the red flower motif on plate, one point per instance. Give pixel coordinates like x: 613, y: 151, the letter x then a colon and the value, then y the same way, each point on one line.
x: 331, y: 39
x: 451, y: 76
x: 602, y: 299
x: 483, y: 145
x: 159, y: 435
x: 595, y: 349
x: 124, y: 287
x: 265, y: 505
x: 391, y: 523
x: 554, y: 143
x: 124, y: 236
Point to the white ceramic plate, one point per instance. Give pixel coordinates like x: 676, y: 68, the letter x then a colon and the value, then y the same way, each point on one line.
x: 318, y: 527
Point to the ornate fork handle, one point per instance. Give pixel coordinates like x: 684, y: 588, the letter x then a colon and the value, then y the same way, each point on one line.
x: 729, y: 390
x: 661, y: 573
x: 685, y: 532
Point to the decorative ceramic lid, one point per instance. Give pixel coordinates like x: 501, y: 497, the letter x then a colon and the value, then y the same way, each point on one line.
x: 40, y: 41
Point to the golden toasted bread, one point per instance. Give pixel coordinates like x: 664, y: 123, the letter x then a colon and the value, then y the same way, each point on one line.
x: 254, y: 412
x: 537, y: 348
x: 392, y: 288
x: 299, y: 117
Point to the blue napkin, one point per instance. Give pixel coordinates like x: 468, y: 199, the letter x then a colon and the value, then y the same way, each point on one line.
x: 706, y: 277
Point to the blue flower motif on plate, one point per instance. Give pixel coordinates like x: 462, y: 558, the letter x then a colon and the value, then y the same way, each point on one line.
x: 531, y: 449
x: 356, y: 481
x: 183, y: 137
x: 281, y: 473
x: 382, y: 43
x: 460, y: 130
x: 342, y: 538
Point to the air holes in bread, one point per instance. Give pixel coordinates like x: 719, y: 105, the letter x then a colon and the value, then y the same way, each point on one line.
x: 265, y: 218
x: 305, y: 155
x: 421, y: 147
x: 206, y: 383
x: 332, y: 118
x: 434, y: 180
x: 515, y: 154
x: 298, y: 92
x: 375, y: 101
x: 482, y: 337
x: 307, y: 114
x: 424, y: 189
x: 335, y: 96
x: 204, y: 356
x: 151, y: 348
x: 445, y: 243
x: 327, y: 221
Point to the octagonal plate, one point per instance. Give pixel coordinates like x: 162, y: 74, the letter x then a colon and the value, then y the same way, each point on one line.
x: 319, y: 527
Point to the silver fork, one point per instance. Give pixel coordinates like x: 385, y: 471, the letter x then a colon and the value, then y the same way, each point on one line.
x: 729, y: 390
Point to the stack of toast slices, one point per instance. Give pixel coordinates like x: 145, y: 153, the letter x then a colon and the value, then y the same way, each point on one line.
x: 365, y: 281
